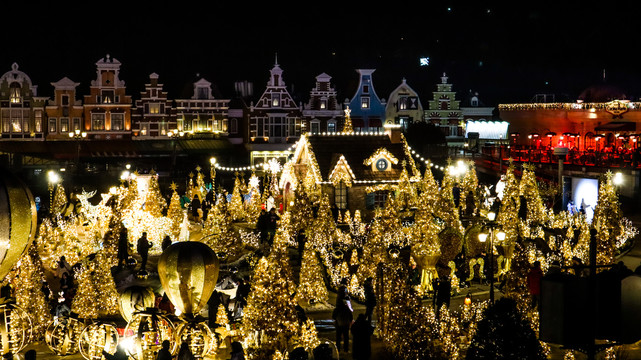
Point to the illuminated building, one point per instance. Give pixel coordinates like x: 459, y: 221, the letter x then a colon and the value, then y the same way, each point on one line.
x: 205, y: 112
x: 322, y: 112
x: 107, y: 108
x: 445, y: 112
x: 403, y: 107
x: 368, y: 110
x: 64, y: 112
x: 154, y: 115
x: 21, y: 110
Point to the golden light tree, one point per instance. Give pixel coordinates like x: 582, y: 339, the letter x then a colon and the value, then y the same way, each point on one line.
x: 154, y: 201
x: 406, y: 196
x: 308, y: 336
x: 96, y: 295
x: 235, y: 207
x: 508, y: 214
x: 27, y: 284
x: 219, y: 234
x: 311, y: 285
x: 253, y: 205
x: 175, y: 212
x: 607, y: 220
x: 445, y: 207
x: 270, y: 319
x: 59, y: 201
x: 529, y: 189
x: 322, y: 231
x: 84, y: 301
x: 469, y: 186
x: 301, y: 212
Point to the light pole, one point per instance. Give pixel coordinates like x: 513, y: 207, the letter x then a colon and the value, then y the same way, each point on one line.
x: 78, y: 136
x: 52, y: 179
x: 175, y: 135
x: 212, y: 170
x: 491, y: 226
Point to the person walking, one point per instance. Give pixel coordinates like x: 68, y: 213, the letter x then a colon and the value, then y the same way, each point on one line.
x: 362, y: 332
x: 123, y: 248
x: 272, y: 224
x: 370, y: 299
x: 262, y: 225
x: 534, y: 277
x: 143, y: 250
x: 343, y: 317
x: 185, y: 352
x: 443, y: 293
x: 120, y: 353
x: 237, y: 352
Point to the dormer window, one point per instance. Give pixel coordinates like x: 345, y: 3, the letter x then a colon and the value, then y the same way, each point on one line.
x: 202, y: 93
x: 64, y: 100
x: 365, y: 102
x: 402, y: 103
x: 14, y: 96
x: 475, y: 101
x: 107, y: 96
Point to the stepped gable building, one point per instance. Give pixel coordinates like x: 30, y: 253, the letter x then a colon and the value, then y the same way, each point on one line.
x: 403, y: 107
x: 322, y: 112
x: 107, y: 108
x: 205, y: 112
x: 356, y: 170
x: 368, y: 111
x: 275, y: 121
x: 153, y: 115
x: 444, y: 111
x: 21, y: 110
x: 64, y: 111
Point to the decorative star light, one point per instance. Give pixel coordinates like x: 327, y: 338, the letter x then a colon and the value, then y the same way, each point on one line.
x: 254, y: 182
x: 274, y: 166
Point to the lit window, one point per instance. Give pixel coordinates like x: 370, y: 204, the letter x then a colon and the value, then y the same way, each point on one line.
x: 275, y: 99
x: 16, y: 121
x: 52, y: 125
x: 117, y: 122
x: 331, y: 126
x: 365, y: 102
x: 64, y: 125
x: 340, y: 195
x: 98, y: 121
x: 38, y: 121
x: 76, y: 124
x: 154, y: 108
x: 107, y: 96
x: 15, y: 96
x: 323, y: 104
x: 402, y: 103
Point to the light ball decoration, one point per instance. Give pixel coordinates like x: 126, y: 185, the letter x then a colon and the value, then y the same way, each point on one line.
x: 62, y: 335
x: 188, y: 272
x: 134, y: 299
x: 15, y: 328
x: 18, y: 220
x: 145, y: 333
x: 97, y: 337
x: 198, y: 336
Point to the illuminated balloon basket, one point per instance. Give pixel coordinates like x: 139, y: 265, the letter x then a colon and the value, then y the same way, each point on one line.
x: 135, y: 299
x: 188, y: 272
x: 97, y: 337
x: 15, y: 328
x: 63, y: 334
x: 145, y: 332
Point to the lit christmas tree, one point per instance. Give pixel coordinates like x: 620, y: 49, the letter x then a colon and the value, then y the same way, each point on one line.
x: 175, y: 213
x: 235, y: 206
x: 222, y: 319
x: 607, y: 221
x: 84, y: 301
x: 508, y: 214
x: 311, y: 284
x: 253, y: 205
x: 469, y: 186
x: 529, y: 189
x: 154, y: 203
x: 27, y: 284
x: 219, y: 234
x: 308, y: 336
x: 322, y: 231
x: 59, y: 201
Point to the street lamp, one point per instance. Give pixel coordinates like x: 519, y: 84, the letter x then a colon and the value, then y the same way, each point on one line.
x: 53, y: 178
x: 212, y: 170
x: 174, y: 135
x: 77, y: 135
x: 490, y: 231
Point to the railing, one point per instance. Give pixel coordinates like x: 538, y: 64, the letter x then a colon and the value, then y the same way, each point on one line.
x: 626, y: 158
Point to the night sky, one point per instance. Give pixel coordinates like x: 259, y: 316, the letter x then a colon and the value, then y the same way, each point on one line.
x: 506, y: 53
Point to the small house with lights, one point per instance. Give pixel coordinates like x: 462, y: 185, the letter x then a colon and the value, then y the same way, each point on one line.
x: 357, y: 170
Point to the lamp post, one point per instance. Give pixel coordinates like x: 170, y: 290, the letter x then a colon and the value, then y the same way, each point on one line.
x: 174, y: 135
x: 491, y: 226
x: 212, y: 170
x: 78, y: 136
x: 52, y: 179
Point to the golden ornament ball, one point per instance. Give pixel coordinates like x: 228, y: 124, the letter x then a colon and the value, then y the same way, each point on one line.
x: 15, y: 329
x: 97, y: 337
x: 62, y: 335
x: 134, y: 299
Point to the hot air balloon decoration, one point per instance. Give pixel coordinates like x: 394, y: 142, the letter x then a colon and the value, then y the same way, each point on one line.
x: 62, y: 335
x: 15, y: 328
x: 145, y: 333
x: 134, y: 299
x: 97, y: 337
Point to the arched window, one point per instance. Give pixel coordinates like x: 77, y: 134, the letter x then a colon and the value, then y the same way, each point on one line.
x: 14, y: 93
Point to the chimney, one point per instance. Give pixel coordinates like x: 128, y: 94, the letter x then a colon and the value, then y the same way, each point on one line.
x: 394, y: 132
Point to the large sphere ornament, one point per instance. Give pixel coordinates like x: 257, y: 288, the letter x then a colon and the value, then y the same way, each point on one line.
x: 62, y: 335
x: 18, y: 220
x: 97, y: 337
x: 198, y: 336
x: 15, y: 328
x: 188, y: 272
x: 134, y: 299
x: 145, y: 333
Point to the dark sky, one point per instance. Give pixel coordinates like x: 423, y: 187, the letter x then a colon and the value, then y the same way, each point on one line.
x: 506, y: 53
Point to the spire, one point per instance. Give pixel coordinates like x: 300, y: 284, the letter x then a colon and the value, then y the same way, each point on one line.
x: 276, y: 59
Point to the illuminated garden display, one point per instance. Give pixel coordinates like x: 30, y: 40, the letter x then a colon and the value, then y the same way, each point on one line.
x: 426, y: 228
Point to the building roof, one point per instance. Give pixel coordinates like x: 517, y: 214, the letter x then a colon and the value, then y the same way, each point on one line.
x: 357, y: 149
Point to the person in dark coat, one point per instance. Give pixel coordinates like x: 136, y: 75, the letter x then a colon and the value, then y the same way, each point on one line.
x: 343, y: 317
x: 443, y: 293
x: 166, y: 242
x: 272, y: 225
x: 362, y: 333
x: 143, y: 250
x: 164, y: 353
x: 261, y: 225
x: 370, y: 299
x: 123, y: 248
x: 120, y: 353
